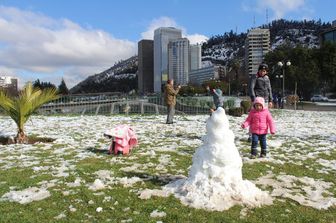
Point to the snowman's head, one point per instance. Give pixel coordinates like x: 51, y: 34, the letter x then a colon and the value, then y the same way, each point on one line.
x: 218, y: 119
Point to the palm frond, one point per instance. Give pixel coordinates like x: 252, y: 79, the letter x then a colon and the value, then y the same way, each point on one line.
x: 29, y: 100
x: 6, y: 103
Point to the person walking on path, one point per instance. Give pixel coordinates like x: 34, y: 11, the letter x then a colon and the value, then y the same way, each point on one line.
x: 260, y: 121
x: 170, y: 99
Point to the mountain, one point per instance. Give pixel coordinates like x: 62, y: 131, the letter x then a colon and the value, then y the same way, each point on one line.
x: 227, y: 49
x: 222, y: 49
x: 119, y: 78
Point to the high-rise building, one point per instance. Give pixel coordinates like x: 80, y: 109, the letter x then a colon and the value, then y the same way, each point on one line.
x: 145, y: 66
x: 162, y: 36
x: 257, y: 44
x: 195, y: 57
x: 178, y: 61
x: 10, y: 84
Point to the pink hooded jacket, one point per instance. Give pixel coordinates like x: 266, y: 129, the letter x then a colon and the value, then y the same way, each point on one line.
x: 124, y: 137
x: 259, y: 121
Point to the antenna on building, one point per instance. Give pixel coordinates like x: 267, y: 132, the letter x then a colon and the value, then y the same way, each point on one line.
x: 254, y: 22
x: 236, y: 29
x: 266, y: 16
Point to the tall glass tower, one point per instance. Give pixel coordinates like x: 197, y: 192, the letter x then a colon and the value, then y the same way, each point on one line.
x: 178, y: 60
x: 195, y: 57
x: 162, y: 36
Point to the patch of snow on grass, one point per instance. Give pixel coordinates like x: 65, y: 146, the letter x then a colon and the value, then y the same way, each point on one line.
x: 27, y: 195
x: 157, y: 214
x: 304, y: 190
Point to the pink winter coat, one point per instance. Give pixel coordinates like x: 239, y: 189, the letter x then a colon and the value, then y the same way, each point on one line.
x: 259, y: 121
x: 124, y: 137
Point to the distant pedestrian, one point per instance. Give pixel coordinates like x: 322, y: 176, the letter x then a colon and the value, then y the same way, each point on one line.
x: 260, y: 121
x: 275, y: 100
x: 280, y: 101
x: 170, y: 99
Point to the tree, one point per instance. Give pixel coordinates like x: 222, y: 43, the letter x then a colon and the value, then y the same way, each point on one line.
x: 42, y: 85
x: 62, y: 88
x: 303, y: 69
x: 235, y: 66
x: 21, y: 107
x: 326, y: 61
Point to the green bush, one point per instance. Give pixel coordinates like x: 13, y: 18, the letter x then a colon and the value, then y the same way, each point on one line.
x: 229, y: 103
x: 246, y: 105
x: 238, y: 111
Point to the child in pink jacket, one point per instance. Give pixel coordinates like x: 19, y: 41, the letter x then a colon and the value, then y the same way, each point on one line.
x: 259, y: 120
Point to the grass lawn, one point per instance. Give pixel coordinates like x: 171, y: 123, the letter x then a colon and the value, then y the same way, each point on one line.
x: 73, y: 179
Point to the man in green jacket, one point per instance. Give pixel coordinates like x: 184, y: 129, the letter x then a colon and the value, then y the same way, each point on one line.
x: 170, y: 99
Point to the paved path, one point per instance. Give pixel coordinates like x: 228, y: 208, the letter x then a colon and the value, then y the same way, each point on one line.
x: 314, y: 106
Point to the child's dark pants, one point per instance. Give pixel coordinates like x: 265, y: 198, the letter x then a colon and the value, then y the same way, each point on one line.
x: 263, y: 145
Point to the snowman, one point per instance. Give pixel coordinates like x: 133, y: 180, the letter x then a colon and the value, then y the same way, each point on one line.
x: 215, y: 178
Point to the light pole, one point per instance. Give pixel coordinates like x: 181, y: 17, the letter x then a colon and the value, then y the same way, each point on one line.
x: 282, y: 65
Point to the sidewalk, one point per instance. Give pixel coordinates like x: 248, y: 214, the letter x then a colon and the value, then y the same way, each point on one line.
x: 313, y: 106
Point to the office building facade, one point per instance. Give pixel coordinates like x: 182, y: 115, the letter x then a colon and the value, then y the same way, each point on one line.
x: 257, y: 45
x: 178, y: 61
x: 195, y: 57
x: 145, y: 66
x: 199, y: 76
x: 162, y: 36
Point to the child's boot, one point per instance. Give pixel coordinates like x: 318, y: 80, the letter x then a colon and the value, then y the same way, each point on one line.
x: 263, y: 153
x: 253, y: 153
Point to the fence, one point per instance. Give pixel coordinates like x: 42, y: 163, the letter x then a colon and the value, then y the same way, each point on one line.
x: 112, y: 103
x: 95, y: 104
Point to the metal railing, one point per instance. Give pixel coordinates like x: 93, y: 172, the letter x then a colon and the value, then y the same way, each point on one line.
x: 116, y: 103
x: 107, y: 103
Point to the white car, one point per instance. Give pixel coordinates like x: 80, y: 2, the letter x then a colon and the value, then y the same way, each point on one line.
x: 318, y: 98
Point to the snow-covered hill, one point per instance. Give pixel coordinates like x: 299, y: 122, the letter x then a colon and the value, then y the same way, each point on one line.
x: 112, y: 79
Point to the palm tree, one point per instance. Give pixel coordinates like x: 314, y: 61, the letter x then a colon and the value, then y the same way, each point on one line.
x: 21, y: 107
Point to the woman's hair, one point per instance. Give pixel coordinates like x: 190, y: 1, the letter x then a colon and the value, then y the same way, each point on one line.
x: 169, y: 81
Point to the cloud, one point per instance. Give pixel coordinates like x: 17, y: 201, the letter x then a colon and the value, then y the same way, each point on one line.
x: 169, y: 22
x: 196, y: 38
x: 156, y: 23
x: 36, y: 43
x: 278, y: 7
x: 33, y: 46
x: 281, y: 7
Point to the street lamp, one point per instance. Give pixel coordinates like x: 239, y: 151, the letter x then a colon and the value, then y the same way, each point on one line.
x: 282, y: 65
